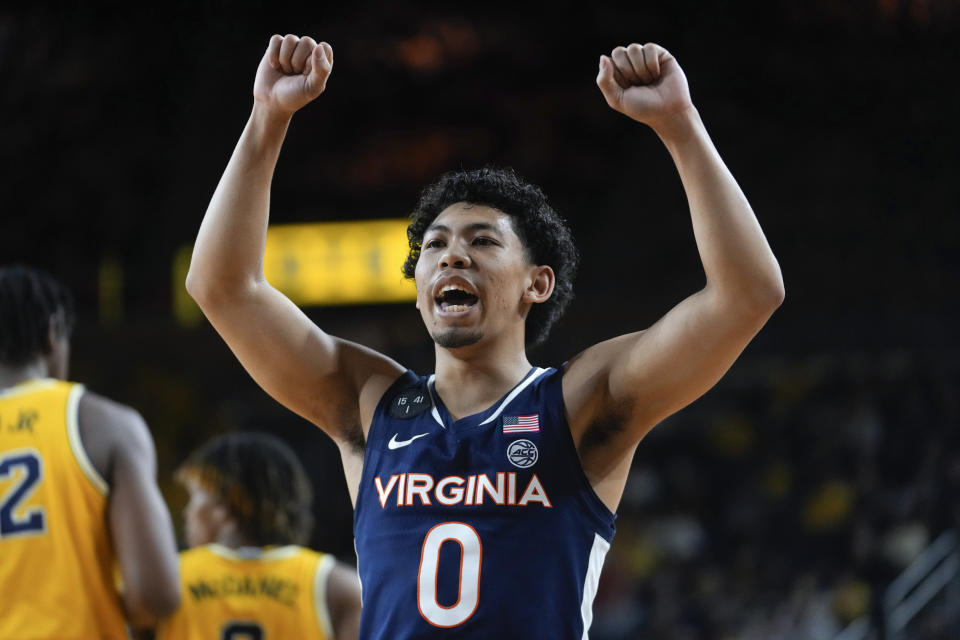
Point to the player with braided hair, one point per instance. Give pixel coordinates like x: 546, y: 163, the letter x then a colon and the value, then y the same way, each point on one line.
x: 246, y: 575
x: 78, y: 493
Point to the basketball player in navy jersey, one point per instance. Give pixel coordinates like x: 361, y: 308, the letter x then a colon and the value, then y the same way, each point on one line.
x: 484, y: 494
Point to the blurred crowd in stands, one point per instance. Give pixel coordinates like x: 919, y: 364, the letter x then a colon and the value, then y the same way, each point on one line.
x: 780, y: 506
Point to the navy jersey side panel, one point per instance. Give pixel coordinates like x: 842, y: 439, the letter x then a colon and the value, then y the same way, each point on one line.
x: 484, y: 527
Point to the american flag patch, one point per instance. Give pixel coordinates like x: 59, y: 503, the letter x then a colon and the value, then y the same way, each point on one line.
x: 521, y: 424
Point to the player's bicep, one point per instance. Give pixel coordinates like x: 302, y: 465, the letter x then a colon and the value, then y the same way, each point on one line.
x: 305, y: 369
x: 680, y: 357
x: 278, y: 345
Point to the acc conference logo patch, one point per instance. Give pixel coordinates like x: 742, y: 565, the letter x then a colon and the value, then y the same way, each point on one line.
x: 522, y: 453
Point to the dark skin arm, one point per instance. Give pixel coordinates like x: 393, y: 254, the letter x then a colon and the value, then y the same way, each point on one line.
x: 119, y: 446
x: 343, y: 601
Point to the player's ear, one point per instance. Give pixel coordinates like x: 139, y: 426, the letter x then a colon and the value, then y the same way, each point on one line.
x: 221, y: 515
x: 56, y: 330
x: 541, y: 285
x: 58, y: 347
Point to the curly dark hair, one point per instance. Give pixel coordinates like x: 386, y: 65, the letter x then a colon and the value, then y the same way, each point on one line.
x: 545, y: 235
x: 260, y: 481
x: 29, y: 301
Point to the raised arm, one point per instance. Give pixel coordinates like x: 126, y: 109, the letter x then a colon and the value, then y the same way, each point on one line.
x: 322, y: 378
x: 618, y: 390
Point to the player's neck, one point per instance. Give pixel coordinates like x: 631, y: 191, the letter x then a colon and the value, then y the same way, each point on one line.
x: 471, y: 380
x: 11, y: 376
x: 233, y: 539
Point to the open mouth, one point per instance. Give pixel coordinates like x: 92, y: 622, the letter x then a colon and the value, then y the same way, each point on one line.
x: 454, y: 299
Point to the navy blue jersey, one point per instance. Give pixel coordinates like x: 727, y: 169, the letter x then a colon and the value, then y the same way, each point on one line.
x: 484, y: 527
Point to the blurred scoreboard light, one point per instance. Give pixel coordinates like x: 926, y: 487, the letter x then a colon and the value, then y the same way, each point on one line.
x: 324, y: 263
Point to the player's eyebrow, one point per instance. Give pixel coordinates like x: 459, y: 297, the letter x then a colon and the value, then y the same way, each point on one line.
x: 473, y: 226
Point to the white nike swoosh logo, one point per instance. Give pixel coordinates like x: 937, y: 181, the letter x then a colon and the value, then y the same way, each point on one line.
x: 396, y: 444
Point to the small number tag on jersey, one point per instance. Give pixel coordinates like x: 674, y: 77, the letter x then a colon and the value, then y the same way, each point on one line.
x: 410, y: 403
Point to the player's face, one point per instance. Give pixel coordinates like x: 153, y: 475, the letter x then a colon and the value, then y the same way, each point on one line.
x: 471, y: 275
x: 203, y: 516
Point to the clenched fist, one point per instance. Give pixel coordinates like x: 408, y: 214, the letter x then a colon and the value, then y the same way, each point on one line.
x: 293, y: 72
x: 644, y: 82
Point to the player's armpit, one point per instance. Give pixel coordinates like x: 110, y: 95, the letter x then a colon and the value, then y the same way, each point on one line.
x: 683, y: 355
x: 618, y: 390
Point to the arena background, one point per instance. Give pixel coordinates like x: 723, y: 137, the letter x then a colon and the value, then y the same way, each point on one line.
x: 777, y: 506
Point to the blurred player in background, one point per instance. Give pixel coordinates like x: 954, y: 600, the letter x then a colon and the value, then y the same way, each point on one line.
x: 77, y: 486
x: 485, y: 494
x: 245, y: 576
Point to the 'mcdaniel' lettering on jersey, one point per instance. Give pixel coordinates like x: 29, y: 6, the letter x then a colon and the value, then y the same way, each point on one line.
x: 283, y: 591
x: 471, y: 490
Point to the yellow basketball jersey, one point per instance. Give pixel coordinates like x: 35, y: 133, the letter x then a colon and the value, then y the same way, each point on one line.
x: 251, y: 594
x: 57, y: 566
